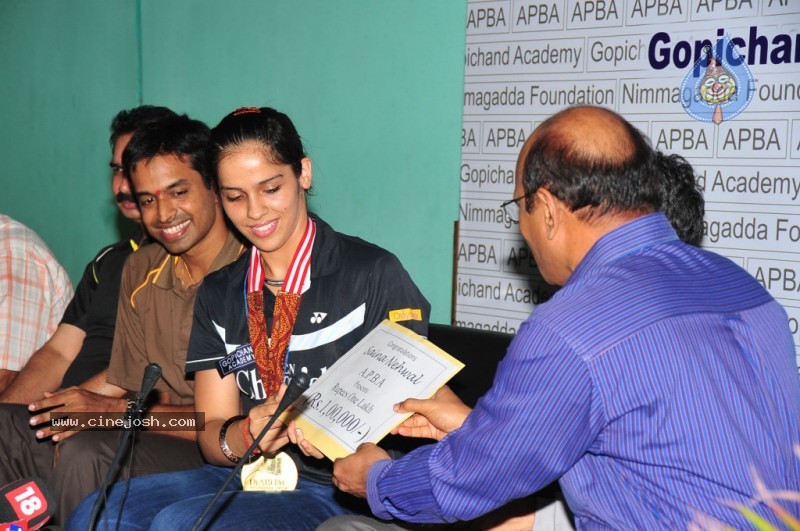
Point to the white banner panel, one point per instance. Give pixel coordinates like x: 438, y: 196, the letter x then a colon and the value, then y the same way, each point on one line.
x: 527, y: 59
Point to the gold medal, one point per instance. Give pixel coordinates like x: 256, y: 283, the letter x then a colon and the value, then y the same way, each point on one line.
x: 270, y: 474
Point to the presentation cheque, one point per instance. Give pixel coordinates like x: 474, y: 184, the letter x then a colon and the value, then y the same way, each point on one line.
x: 352, y: 402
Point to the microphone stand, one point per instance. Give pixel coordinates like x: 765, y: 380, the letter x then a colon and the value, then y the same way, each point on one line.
x: 296, y: 387
x: 134, y: 412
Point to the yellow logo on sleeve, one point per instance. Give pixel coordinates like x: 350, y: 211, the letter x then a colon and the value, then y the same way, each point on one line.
x: 406, y: 314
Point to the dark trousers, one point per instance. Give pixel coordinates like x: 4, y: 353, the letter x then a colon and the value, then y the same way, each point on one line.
x: 76, y: 467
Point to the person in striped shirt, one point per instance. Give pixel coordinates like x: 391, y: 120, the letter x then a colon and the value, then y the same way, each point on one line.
x: 654, y: 385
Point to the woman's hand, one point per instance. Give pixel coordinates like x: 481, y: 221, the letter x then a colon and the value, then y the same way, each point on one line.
x: 277, y: 436
x: 296, y: 436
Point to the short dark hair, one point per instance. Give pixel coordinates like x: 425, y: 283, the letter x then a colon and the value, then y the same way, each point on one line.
x: 272, y: 130
x: 582, y: 178
x: 178, y: 135
x: 681, y: 199
x: 129, y: 120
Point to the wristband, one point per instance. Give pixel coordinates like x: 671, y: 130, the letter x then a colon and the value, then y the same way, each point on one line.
x: 223, y: 438
x: 246, y: 435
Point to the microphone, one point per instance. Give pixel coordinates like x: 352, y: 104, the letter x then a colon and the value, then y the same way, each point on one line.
x: 26, y: 502
x: 151, y: 375
x: 296, y: 387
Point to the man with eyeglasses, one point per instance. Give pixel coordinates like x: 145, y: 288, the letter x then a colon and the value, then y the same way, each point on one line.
x: 681, y: 200
x: 658, y: 386
x: 165, y: 161
x: 80, y: 347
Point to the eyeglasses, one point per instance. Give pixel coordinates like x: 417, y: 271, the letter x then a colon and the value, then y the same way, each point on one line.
x: 511, y: 208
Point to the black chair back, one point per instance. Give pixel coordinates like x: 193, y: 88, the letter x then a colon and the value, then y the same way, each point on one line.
x: 479, y: 350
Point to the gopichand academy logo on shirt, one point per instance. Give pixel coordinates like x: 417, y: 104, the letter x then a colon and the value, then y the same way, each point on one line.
x: 719, y: 85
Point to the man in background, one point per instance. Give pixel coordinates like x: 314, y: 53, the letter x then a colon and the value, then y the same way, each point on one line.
x: 166, y: 163
x: 34, y: 290
x: 81, y: 345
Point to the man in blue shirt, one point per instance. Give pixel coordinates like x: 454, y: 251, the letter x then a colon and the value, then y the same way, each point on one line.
x: 653, y: 386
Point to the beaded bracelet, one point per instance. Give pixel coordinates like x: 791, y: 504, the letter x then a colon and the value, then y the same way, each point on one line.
x: 223, y: 438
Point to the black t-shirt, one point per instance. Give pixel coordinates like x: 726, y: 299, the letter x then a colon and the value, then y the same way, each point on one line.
x: 354, y: 286
x: 93, y: 309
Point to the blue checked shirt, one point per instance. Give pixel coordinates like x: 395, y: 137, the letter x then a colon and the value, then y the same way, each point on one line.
x: 650, y: 386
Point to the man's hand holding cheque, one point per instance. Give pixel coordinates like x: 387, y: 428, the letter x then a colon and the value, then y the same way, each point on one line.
x: 432, y: 418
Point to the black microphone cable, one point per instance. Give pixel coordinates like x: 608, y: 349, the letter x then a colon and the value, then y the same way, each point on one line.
x: 124, y: 493
x: 296, y: 387
x: 151, y: 375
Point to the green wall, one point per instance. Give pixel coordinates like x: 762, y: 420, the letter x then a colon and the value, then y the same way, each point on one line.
x: 65, y: 68
x: 373, y: 86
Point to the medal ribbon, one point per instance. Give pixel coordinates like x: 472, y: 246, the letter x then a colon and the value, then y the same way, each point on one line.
x: 270, y: 351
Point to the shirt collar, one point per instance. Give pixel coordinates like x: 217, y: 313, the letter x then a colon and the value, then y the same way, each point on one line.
x: 229, y: 252
x: 325, y: 255
x: 631, y: 237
